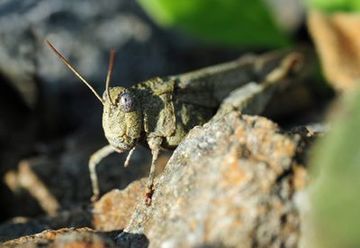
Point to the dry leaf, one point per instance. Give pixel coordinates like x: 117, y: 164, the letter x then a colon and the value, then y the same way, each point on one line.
x: 337, y: 40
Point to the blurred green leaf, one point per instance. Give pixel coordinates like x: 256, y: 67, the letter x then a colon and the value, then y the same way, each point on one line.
x: 335, y: 5
x: 229, y: 22
x: 336, y: 186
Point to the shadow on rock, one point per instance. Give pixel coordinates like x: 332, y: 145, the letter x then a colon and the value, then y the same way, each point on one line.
x: 133, y: 240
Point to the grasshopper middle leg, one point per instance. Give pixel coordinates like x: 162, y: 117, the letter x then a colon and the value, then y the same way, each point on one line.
x: 154, y: 144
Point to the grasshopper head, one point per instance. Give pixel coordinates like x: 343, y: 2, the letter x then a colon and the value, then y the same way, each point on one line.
x: 122, y: 118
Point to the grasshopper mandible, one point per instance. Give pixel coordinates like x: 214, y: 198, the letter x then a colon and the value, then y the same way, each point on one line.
x: 162, y: 110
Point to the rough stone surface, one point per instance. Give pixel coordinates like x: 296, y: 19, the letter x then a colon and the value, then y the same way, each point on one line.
x: 83, y: 240
x: 64, y: 238
x: 114, y: 209
x: 230, y: 182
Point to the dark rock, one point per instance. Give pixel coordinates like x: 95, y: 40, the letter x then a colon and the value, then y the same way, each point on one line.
x: 17, y: 137
x: 20, y: 227
x: 133, y: 240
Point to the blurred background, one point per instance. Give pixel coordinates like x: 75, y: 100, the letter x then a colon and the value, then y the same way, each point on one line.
x: 50, y: 122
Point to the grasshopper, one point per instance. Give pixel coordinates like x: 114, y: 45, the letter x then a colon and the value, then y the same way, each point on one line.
x: 161, y: 111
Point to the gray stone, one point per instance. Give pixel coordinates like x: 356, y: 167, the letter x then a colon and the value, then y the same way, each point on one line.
x: 235, y: 191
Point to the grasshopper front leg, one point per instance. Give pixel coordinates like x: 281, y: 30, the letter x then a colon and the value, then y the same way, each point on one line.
x: 95, y: 159
x: 154, y: 145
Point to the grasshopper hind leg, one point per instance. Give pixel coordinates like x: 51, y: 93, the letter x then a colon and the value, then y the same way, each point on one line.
x: 95, y: 159
x: 154, y: 144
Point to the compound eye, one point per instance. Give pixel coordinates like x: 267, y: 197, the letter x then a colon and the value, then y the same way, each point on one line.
x: 126, y: 102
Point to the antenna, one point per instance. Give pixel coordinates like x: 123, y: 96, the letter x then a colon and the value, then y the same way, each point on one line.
x: 108, y: 76
x: 62, y: 58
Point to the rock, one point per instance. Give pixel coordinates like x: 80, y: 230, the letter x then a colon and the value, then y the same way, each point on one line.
x: 20, y: 226
x: 83, y: 240
x: 65, y: 238
x: 114, y: 209
x: 232, y: 181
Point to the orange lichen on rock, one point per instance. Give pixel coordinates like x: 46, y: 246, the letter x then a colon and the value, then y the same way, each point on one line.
x: 114, y: 209
x: 233, y: 174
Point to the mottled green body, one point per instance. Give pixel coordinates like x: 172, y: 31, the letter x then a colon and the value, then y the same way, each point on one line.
x: 167, y: 108
x: 166, y: 113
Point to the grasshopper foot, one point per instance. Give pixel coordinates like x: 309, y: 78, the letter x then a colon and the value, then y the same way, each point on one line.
x: 148, y: 195
x: 94, y: 198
